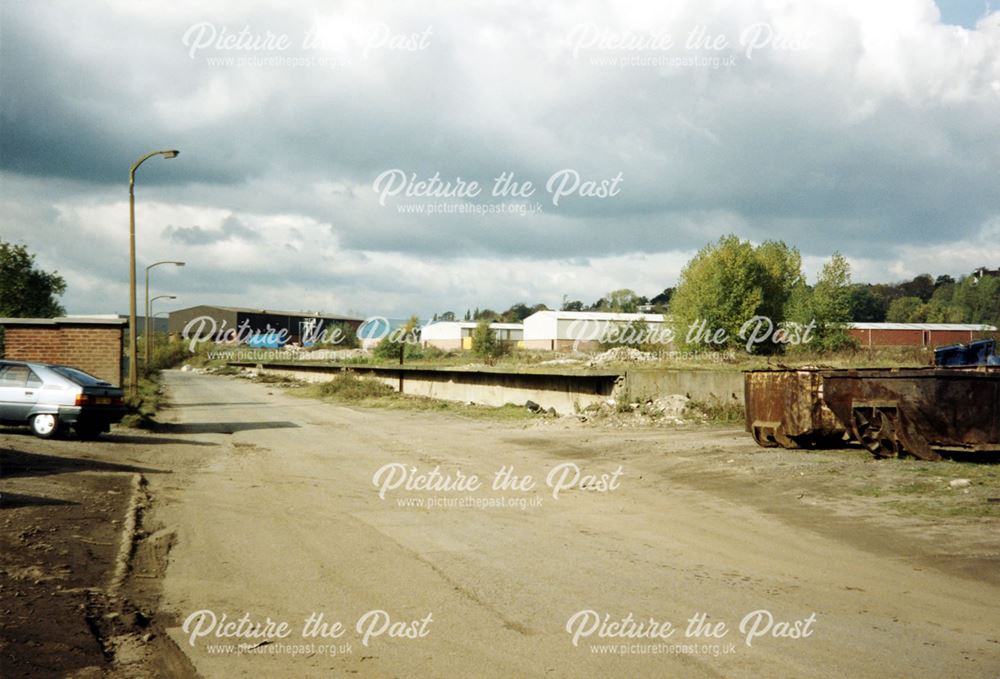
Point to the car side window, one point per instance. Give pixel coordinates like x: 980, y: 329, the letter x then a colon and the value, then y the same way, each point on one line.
x: 14, y: 376
x: 33, y: 380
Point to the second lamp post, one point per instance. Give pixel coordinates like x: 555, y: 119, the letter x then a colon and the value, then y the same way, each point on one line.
x: 148, y: 335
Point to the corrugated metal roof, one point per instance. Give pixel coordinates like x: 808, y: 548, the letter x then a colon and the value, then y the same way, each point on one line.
x: 276, y: 312
x: 600, y: 316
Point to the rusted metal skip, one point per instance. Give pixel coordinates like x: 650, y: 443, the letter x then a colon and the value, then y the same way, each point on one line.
x: 891, y: 412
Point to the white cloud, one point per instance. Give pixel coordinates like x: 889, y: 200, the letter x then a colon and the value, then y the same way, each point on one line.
x: 877, y: 139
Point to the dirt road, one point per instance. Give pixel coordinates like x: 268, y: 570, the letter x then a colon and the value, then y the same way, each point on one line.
x: 274, y: 514
x: 283, y: 520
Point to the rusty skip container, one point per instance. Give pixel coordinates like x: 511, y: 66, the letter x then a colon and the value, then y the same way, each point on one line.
x: 785, y: 408
x: 916, y: 411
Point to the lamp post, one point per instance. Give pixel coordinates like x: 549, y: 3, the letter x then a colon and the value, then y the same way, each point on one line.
x: 147, y: 320
x: 148, y: 334
x: 133, y: 373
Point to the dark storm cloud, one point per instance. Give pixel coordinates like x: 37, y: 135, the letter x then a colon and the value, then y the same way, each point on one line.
x: 839, y: 147
x: 761, y: 142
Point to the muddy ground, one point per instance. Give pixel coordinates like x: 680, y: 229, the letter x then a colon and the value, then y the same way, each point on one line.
x: 251, y: 500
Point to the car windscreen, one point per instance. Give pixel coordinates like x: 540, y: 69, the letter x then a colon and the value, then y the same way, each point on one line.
x: 78, y: 376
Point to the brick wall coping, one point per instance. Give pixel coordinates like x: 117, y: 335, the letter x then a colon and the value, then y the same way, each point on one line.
x: 65, y: 320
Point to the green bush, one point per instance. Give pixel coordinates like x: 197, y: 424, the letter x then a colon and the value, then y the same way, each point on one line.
x: 168, y: 355
x: 405, y: 338
x: 716, y: 409
x: 347, y: 386
x: 485, y: 344
x: 388, y: 349
x: 434, y: 353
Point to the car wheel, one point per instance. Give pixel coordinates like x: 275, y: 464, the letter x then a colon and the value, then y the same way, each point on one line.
x: 88, y: 432
x: 45, y: 425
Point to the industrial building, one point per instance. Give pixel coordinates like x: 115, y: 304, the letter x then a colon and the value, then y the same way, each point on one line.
x: 296, y: 324
x: 916, y: 334
x: 581, y: 330
x: 453, y: 335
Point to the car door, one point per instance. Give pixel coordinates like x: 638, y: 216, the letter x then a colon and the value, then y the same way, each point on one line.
x: 16, y: 397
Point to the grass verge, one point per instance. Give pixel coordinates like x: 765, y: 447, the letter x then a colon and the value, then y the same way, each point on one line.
x: 142, y: 409
x: 348, y: 389
x: 717, y: 410
x: 920, y: 489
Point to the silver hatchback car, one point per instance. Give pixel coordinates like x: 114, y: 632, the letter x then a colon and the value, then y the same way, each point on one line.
x: 51, y: 398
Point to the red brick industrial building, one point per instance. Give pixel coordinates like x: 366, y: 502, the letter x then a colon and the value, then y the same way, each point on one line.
x: 916, y: 334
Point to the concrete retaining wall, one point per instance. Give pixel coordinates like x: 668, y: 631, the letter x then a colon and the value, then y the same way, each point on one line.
x: 701, y: 385
x: 566, y: 392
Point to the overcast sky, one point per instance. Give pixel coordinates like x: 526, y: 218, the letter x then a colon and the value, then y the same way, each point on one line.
x: 646, y: 129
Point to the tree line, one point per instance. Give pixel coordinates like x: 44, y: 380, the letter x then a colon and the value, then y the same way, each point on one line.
x: 725, y: 284
x: 732, y: 280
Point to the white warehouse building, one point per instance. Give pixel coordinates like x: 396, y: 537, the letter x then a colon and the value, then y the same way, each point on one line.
x: 454, y: 335
x: 584, y: 330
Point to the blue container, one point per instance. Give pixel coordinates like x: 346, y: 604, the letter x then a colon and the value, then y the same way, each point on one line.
x: 951, y: 355
x: 980, y: 351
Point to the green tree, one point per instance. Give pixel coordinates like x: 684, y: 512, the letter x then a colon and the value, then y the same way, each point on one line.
x: 725, y: 285
x: 830, y: 305
x: 661, y: 302
x: 518, y: 312
x: 26, y: 291
x: 866, y: 305
x: 909, y: 309
x: 622, y: 301
x: 783, y: 266
x: 942, y: 308
x: 979, y: 299
x: 921, y: 286
x: 575, y: 305
x: 485, y: 344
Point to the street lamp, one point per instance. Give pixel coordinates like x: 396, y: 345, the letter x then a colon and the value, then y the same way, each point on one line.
x: 133, y: 373
x: 148, y: 335
x: 160, y: 297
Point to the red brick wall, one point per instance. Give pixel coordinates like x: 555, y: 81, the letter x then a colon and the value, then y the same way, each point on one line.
x: 911, y: 338
x: 888, y: 338
x: 939, y: 338
x: 96, y: 350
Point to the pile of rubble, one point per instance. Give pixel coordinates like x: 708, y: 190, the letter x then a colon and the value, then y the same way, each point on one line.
x: 670, y: 410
